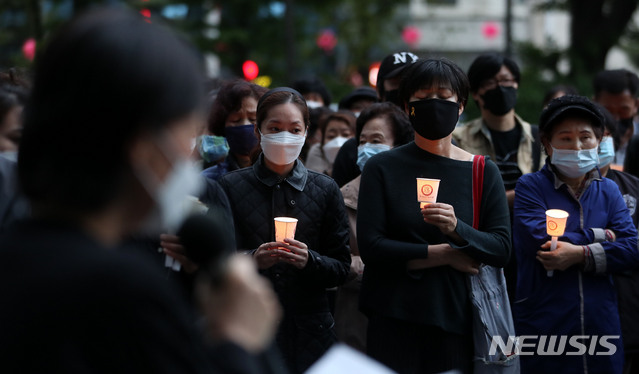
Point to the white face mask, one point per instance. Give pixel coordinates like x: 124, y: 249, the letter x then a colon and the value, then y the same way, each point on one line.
x: 282, y: 148
x: 171, y: 196
x: 10, y: 155
x: 313, y: 104
x: 332, y: 147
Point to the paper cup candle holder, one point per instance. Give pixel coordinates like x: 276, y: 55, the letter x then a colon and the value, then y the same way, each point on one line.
x: 285, y: 228
x: 555, y: 227
x: 427, y: 191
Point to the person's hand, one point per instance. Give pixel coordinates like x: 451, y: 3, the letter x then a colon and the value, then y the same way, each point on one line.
x: 566, y: 255
x: 267, y: 255
x: 243, y: 309
x: 293, y: 252
x: 610, y: 235
x: 462, y: 262
x: 172, y: 247
x: 444, y: 254
x: 357, y: 265
x: 441, y: 215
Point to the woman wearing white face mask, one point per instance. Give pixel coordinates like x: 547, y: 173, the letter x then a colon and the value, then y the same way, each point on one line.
x: 317, y: 258
x: 337, y: 128
x: 600, y: 240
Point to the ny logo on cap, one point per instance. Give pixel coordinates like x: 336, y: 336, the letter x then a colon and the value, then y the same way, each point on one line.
x: 402, y: 57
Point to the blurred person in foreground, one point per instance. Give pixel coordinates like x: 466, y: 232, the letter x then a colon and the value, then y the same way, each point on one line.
x: 414, y: 288
x: 73, y: 302
x: 13, y: 97
x: 578, y: 299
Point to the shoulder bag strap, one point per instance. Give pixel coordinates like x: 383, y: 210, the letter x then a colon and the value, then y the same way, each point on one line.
x: 478, y: 185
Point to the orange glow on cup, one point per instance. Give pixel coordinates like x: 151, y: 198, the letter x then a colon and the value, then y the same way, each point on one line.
x: 556, y: 222
x: 285, y: 228
x: 427, y: 191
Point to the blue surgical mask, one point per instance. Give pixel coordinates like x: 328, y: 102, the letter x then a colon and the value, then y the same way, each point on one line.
x: 574, y: 164
x: 606, y: 151
x: 212, y: 147
x: 368, y: 150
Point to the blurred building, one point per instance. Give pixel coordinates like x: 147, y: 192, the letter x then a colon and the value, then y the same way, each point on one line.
x: 460, y: 29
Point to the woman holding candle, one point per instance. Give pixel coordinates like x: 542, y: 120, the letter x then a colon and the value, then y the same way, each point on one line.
x: 578, y: 302
x: 414, y: 287
x: 300, y: 268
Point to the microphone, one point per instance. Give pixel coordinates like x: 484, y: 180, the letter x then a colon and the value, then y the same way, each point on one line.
x: 208, y: 240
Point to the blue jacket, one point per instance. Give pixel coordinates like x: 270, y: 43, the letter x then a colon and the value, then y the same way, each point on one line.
x: 573, y: 302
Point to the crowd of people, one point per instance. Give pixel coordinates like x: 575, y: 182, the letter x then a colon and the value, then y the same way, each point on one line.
x: 151, y: 246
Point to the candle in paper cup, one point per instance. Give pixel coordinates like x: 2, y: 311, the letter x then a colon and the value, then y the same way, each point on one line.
x: 555, y: 227
x: 556, y: 222
x: 285, y: 228
x: 427, y: 191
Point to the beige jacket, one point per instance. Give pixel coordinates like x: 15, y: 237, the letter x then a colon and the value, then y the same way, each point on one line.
x: 474, y: 137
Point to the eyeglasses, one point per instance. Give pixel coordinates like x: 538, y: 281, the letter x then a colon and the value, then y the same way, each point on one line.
x: 489, y: 84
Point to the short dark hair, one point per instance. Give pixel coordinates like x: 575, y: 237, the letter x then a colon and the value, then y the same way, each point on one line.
x: 425, y: 73
x: 570, y: 106
x: 616, y: 81
x: 308, y: 85
x: 228, y: 100
x: 278, y: 96
x: 554, y: 90
x: 486, y: 66
x: 103, y: 80
x: 402, y: 129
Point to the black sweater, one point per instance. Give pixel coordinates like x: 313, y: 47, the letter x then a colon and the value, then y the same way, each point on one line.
x: 391, y: 231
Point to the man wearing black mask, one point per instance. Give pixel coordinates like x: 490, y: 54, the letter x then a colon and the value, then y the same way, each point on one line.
x: 499, y: 132
x: 616, y: 90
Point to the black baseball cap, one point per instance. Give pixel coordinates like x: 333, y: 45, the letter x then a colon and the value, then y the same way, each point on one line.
x: 394, y: 64
x: 561, y: 107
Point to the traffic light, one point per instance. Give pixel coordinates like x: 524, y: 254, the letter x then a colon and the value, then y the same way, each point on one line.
x: 250, y: 70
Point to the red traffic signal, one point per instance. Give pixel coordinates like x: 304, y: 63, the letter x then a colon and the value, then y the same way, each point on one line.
x: 250, y: 70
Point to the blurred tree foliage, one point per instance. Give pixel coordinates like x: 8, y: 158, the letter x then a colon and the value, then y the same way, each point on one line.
x: 596, y: 27
x: 279, y: 35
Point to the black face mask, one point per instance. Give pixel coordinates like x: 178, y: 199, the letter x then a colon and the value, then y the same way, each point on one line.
x: 500, y: 100
x: 392, y: 96
x: 624, y: 125
x: 433, y: 118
